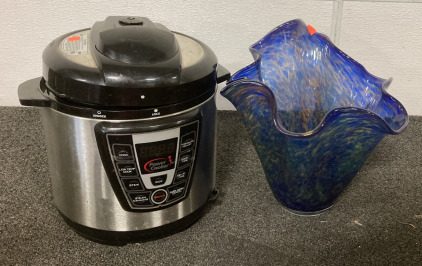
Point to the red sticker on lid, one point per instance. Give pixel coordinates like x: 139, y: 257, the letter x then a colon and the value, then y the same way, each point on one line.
x: 74, y: 38
x: 76, y: 44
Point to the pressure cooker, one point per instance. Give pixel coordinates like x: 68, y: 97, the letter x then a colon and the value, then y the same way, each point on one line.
x: 129, y: 116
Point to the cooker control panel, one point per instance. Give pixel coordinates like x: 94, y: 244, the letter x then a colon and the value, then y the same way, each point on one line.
x: 152, y: 169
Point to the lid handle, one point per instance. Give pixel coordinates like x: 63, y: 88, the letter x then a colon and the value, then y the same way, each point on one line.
x: 222, y: 74
x: 134, y: 40
x: 134, y: 51
x: 30, y: 95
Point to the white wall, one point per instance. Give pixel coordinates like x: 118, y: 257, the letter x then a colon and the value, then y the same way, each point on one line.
x: 384, y: 36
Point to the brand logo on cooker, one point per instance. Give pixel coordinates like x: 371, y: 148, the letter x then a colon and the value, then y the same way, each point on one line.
x: 99, y: 115
x: 159, y: 164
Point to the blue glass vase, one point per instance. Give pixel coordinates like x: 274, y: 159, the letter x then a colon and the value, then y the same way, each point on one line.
x: 314, y: 115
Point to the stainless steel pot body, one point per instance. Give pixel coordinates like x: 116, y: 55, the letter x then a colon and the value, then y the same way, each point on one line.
x: 81, y: 188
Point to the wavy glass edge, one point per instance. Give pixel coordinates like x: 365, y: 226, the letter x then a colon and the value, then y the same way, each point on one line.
x: 251, y: 73
x: 331, y: 114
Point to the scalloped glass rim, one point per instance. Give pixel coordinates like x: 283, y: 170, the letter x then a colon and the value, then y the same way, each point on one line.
x: 257, y: 55
x: 331, y: 114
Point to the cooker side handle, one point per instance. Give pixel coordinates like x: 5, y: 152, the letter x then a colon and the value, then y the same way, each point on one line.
x: 222, y: 74
x: 30, y: 95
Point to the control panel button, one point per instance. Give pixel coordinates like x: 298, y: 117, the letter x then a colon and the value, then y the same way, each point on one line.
x: 182, y: 174
x: 127, y: 169
x: 188, y: 142
x: 177, y: 191
x: 185, y: 158
x: 140, y: 199
x: 159, y: 196
x: 132, y: 184
x: 158, y: 180
x: 122, y: 152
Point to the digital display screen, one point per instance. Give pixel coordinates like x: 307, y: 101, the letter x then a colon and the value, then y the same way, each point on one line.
x: 157, y: 156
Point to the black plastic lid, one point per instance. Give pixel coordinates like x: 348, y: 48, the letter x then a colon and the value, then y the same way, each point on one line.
x: 128, y: 62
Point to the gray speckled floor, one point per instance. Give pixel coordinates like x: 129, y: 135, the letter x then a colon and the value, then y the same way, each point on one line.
x: 376, y: 221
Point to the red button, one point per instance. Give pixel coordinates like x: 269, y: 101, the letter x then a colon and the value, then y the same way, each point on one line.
x: 159, y: 196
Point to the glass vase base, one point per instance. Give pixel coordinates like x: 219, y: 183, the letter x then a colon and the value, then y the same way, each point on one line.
x: 306, y: 213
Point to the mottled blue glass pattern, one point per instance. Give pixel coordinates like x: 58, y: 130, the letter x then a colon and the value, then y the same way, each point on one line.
x: 313, y: 113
